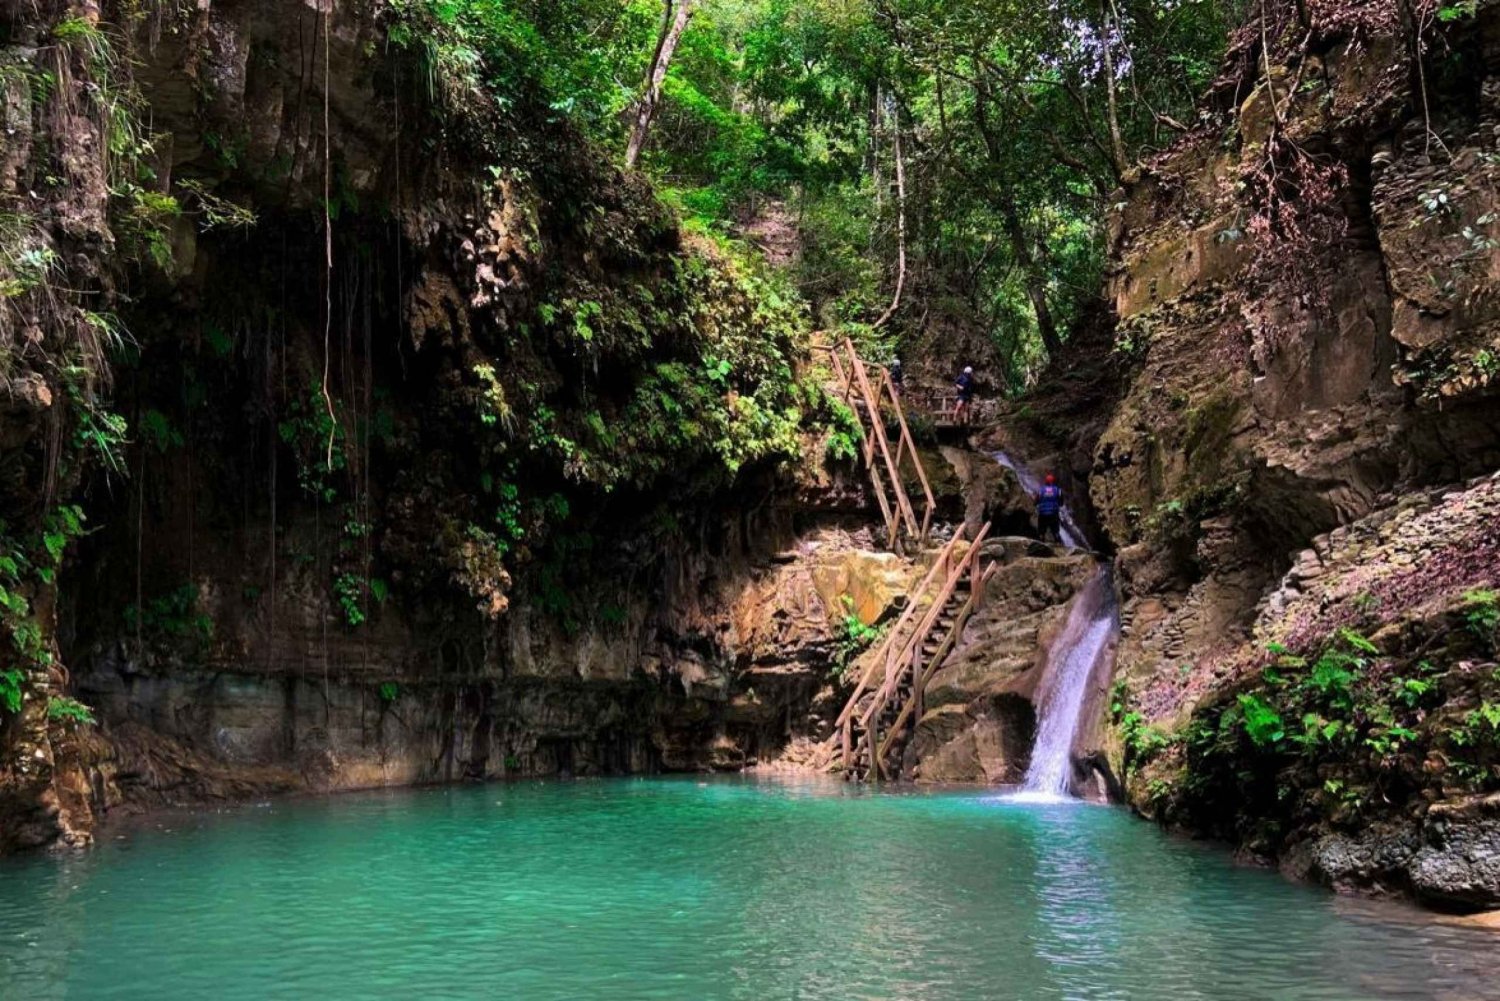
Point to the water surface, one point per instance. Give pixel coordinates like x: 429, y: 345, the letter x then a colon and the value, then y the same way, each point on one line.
x: 691, y: 889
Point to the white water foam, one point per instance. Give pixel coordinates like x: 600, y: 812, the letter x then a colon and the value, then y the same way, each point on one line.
x: 1075, y: 653
x: 1036, y: 798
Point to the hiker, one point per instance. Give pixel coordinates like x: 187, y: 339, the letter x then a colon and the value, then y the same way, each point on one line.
x: 965, y: 386
x: 898, y: 375
x: 1049, y: 510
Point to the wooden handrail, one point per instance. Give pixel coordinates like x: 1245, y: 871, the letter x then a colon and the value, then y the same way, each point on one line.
x: 877, y: 425
x: 899, y: 656
x: 892, y: 526
x: 895, y: 630
x: 895, y: 665
x: 913, y: 706
x: 899, y: 666
x: 880, y: 659
x: 908, y: 443
x: 883, y: 465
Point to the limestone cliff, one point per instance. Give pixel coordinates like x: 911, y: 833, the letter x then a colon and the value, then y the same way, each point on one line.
x: 362, y: 429
x: 1306, y: 401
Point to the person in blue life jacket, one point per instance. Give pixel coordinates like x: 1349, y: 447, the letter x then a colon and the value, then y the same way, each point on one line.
x: 965, y: 386
x: 1049, y: 503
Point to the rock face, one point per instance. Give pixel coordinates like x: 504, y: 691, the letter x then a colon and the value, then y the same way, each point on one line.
x: 980, y: 717
x: 425, y: 481
x: 1303, y: 394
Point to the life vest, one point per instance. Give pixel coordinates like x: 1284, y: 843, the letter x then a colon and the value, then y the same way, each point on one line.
x: 1050, y: 501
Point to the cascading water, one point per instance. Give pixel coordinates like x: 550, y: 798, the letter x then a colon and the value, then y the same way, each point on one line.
x: 1066, y: 683
x: 1032, y: 484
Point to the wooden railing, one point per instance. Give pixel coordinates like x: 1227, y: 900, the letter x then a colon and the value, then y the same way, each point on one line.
x: 899, y: 658
x: 881, y: 463
x: 914, y: 705
x: 942, y: 408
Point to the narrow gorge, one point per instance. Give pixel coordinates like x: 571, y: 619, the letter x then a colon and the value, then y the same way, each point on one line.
x: 487, y: 394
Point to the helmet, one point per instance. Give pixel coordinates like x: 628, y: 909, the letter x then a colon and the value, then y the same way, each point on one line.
x: 968, y: 370
x: 1051, y: 479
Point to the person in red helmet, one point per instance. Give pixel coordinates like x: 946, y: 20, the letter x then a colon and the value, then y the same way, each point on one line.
x: 1049, y: 503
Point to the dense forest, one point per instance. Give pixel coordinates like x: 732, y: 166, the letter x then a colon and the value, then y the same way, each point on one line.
x: 944, y: 165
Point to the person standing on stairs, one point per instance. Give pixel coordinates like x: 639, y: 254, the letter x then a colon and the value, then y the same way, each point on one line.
x: 1049, y: 510
x: 898, y: 376
x: 965, y: 386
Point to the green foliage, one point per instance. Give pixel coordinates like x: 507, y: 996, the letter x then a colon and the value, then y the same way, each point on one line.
x: 10, y: 689
x: 219, y: 342
x: 507, y: 528
x: 1346, y: 732
x: 157, y: 431
x: 852, y: 637
x: 1482, y: 613
x: 1003, y: 108
x: 215, y: 212
x: 27, y: 263
x: 1457, y: 10
x: 390, y: 691
x: 1475, y: 741
x: 1143, y: 741
x: 493, y: 407
x: 846, y: 433
x: 100, y: 434
x: 172, y: 616
x: 563, y: 55
x: 1261, y: 721
x: 349, y: 590
x: 317, y: 440
x: 28, y: 563
x: 68, y: 710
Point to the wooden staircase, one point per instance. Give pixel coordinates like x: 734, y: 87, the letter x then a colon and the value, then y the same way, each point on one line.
x: 886, y: 704
x: 867, y: 397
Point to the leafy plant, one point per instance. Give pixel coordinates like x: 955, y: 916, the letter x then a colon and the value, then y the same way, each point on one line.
x: 1143, y: 741
x: 493, y: 406
x: 1482, y: 613
x: 10, y: 689
x: 69, y: 710
x: 215, y: 212
x: 1261, y: 722
x: 158, y: 432
x: 349, y: 590
x: 852, y: 637
x: 172, y: 616
x: 317, y: 440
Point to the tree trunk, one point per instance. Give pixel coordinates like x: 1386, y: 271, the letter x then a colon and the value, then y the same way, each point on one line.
x: 900, y: 228
x: 1116, y: 141
x: 674, y: 22
x: 1036, y: 282
x: 1010, y: 214
x: 875, y: 149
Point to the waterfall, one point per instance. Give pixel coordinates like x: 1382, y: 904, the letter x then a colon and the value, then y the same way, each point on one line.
x: 1072, y: 537
x: 1065, y: 687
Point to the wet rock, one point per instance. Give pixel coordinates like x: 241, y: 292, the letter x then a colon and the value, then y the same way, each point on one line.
x: 989, y: 742
x: 1371, y: 859
x: 1458, y: 862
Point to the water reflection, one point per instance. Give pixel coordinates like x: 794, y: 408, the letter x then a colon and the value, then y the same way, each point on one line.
x: 693, y: 889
